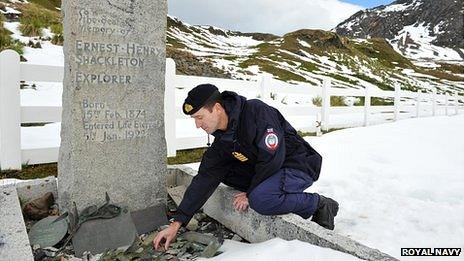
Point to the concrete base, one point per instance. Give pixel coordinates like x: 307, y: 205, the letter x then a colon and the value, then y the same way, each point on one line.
x: 12, y: 228
x: 257, y: 228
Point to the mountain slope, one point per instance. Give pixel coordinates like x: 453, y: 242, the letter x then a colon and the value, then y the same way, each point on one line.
x: 306, y: 56
x: 419, y: 29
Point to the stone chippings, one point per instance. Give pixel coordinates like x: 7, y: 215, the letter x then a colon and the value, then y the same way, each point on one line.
x: 204, y: 241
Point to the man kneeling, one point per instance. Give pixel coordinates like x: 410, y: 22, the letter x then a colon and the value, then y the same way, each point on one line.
x: 256, y: 151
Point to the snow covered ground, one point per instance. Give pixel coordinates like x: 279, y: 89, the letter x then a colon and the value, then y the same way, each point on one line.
x: 399, y: 184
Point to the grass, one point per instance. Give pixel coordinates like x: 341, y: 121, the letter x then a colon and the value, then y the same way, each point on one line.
x: 57, y: 30
x: 6, y: 42
x: 376, y: 101
x: 31, y: 172
x: 381, y: 85
x: 187, y: 156
x: 35, y: 17
x: 454, y: 68
x: 380, y: 49
x: 343, y: 79
x: 48, y: 4
x: 304, y: 134
x: 317, y: 101
x: 337, y: 101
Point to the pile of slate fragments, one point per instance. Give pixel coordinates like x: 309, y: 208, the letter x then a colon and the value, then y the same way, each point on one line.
x: 202, y: 237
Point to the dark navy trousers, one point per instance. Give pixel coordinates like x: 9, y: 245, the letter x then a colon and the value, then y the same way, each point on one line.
x: 282, y: 193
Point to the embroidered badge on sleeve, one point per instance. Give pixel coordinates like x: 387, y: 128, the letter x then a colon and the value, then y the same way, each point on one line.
x: 271, y: 140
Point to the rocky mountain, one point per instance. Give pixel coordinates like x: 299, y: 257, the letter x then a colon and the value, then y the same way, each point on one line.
x: 409, y: 25
x: 308, y: 56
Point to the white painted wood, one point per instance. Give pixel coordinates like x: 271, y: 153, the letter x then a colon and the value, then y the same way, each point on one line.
x: 456, y: 103
x: 345, y: 92
x: 397, y: 101
x: 194, y: 142
x: 265, y: 86
x: 325, y: 104
x: 367, y: 106
x: 418, y: 103
x: 40, y: 156
x: 446, y: 104
x: 382, y: 94
x: 32, y: 114
x: 41, y: 73
x: 10, y: 114
x: 434, y: 101
x: 169, y: 107
x: 189, y: 82
x: 299, y: 110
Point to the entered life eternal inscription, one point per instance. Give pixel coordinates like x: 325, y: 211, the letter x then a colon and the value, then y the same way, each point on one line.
x: 112, y: 130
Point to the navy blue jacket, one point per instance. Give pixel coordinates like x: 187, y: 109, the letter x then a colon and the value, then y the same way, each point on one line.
x: 257, y: 143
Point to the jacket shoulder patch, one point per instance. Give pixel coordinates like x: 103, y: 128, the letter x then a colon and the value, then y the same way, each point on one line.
x: 271, y: 140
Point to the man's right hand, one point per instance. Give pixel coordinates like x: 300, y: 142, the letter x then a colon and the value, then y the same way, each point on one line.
x: 166, y: 236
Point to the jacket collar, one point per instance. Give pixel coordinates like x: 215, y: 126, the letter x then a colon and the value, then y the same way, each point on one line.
x: 233, y: 105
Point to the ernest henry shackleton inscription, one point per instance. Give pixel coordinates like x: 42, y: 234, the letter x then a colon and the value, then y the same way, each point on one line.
x: 112, y: 134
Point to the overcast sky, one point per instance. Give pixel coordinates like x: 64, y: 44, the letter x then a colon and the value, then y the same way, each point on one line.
x: 268, y: 16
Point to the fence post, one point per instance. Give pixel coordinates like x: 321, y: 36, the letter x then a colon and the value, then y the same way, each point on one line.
x: 318, y: 125
x: 434, y: 101
x: 397, y: 101
x: 446, y: 103
x: 367, y: 106
x: 170, y: 108
x: 418, y: 101
x: 10, y: 111
x: 456, y: 102
x: 264, y: 86
x: 325, y: 104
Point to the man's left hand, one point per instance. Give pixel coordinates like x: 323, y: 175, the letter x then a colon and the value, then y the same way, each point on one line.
x: 240, y: 202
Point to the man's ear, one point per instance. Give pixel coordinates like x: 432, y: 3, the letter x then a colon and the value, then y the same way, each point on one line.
x: 218, y: 107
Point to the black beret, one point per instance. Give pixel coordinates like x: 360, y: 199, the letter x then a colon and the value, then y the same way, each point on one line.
x: 198, y: 97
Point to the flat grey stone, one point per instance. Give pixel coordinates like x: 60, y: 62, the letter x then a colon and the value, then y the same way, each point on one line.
x: 12, y: 228
x: 258, y: 228
x: 99, y: 235
x: 47, y: 233
x: 149, y: 219
x: 112, y: 129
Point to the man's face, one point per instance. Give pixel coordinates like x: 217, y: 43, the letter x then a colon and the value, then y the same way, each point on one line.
x: 207, y: 120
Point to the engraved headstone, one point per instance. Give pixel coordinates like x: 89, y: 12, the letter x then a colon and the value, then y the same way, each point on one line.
x: 112, y: 130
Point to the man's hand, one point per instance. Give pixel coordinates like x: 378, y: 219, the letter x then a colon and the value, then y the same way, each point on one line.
x: 240, y: 202
x: 166, y: 236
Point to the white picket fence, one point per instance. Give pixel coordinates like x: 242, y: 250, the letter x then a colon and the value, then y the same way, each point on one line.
x: 12, y: 114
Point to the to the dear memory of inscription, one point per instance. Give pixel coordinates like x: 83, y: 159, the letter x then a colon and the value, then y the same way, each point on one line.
x: 110, y: 62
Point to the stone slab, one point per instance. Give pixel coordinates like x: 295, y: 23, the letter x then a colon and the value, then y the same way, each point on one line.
x: 177, y: 193
x: 36, y: 188
x: 149, y: 219
x: 99, y: 235
x: 112, y: 131
x: 12, y: 228
x: 258, y: 228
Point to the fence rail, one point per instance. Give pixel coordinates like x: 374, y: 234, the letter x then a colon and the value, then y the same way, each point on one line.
x: 12, y: 114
